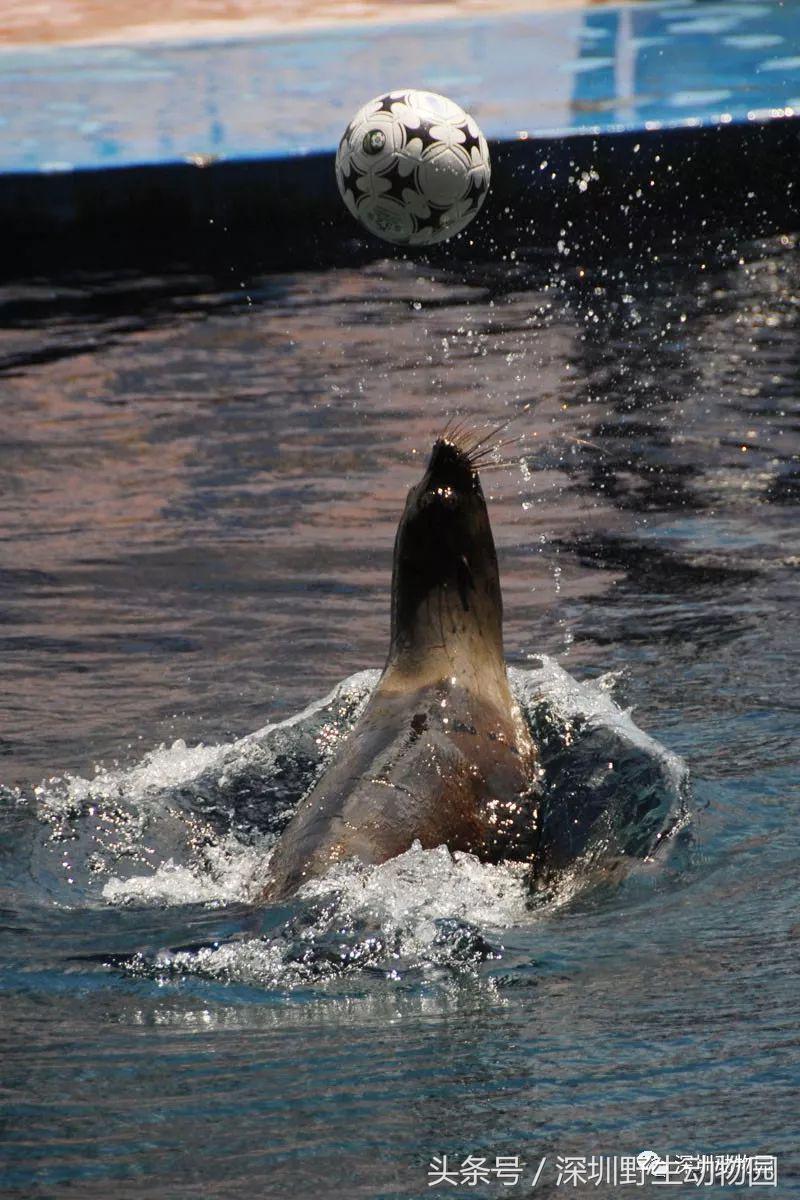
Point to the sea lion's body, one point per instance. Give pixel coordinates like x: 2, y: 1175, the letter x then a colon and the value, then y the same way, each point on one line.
x: 438, y: 765
x: 441, y: 754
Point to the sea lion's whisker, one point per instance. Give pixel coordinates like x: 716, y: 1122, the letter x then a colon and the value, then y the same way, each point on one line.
x: 489, y: 450
x: 495, y: 466
x: 494, y: 445
x: 456, y: 434
x: 579, y: 441
x: 499, y: 428
x: 454, y: 423
x: 461, y: 436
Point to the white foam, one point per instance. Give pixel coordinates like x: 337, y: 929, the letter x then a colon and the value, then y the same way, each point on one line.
x: 254, y: 962
x: 418, y: 911
x: 227, y: 873
x: 409, y: 893
x: 569, y: 698
x: 180, y: 765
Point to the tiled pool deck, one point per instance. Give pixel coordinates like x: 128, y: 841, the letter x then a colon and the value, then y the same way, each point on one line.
x: 245, y: 128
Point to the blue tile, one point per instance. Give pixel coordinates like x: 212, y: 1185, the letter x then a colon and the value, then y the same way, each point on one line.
x: 550, y: 73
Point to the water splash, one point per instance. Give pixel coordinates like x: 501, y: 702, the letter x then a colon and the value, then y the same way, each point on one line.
x: 195, y: 826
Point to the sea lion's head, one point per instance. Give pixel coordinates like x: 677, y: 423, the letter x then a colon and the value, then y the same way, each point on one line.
x: 446, y: 597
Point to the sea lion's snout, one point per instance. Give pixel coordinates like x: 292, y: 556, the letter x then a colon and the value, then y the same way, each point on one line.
x: 447, y: 501
x: 450, y: 470
x: 445, y: 515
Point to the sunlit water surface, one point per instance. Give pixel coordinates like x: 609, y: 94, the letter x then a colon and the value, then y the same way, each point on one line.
x: 200, y: 494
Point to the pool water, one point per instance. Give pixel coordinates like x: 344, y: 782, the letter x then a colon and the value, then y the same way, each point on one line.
x: 201, y: 485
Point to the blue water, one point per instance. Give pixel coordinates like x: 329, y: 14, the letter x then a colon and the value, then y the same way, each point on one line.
x: 200, y: 493
x: 566, y: 69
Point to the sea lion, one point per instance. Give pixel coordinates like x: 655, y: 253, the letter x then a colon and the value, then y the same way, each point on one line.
x: 441, y: 754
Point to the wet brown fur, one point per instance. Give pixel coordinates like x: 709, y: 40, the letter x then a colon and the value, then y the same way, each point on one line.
x: 441, y: 753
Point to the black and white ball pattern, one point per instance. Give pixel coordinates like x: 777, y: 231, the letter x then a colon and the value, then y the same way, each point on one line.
x: 413, y: 167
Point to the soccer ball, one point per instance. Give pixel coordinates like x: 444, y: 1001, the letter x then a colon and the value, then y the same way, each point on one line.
x: 413, y: 167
